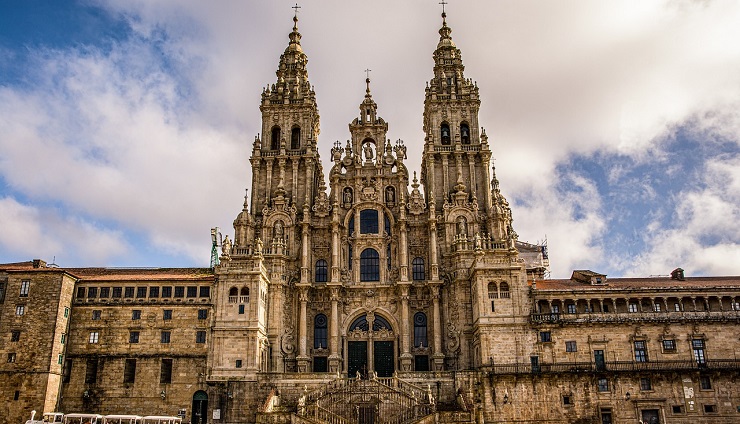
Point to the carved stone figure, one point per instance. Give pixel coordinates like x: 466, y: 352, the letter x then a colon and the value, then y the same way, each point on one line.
x: 368, y: 149
x: 226, y: 246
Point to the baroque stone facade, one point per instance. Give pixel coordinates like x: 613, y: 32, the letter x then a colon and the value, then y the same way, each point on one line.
x: 370, y: 299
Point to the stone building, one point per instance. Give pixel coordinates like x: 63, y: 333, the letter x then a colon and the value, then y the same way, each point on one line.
x: 371, y: 299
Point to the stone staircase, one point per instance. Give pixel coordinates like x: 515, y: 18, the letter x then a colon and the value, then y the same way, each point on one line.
x: 372, y: 401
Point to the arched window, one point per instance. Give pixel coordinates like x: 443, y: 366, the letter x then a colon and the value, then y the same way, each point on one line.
x: 492, y: 290
x: 321, y: 271
x: 369, y: 221
x: 295, y: 138
x: 275, y: 139
x: 445, y: 133
x: 464, y: 133
x: 417, y: 269
x: 369, y: 265
x: 320, y: 332
x: 379, y: 323
x: 504, y: 290
x: 420, y: 330
x: 233, y: 295
x: 351, y: 226
x: 244, y: 295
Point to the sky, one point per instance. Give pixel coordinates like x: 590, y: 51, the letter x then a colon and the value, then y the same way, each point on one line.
x: 126, y: 126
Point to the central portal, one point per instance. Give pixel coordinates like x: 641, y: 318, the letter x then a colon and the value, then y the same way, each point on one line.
x: 370, y: 350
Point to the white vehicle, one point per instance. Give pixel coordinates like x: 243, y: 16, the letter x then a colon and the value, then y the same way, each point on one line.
x: 83, y: 419
x: 48, y: 418
x: 122, y: 419
x: 155, y: 419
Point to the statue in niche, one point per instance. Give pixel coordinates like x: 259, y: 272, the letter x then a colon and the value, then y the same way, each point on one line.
x: 390, y: 194
x: 278, y: 231
x: 462, y: 226
x: 347, y: 196
x: 368, y: 151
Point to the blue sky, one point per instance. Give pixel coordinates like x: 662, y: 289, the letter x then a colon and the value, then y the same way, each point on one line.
x: 126, y: 126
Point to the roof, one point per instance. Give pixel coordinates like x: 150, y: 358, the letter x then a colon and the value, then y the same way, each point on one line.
x: 652, y: 283
x: 116, y: 274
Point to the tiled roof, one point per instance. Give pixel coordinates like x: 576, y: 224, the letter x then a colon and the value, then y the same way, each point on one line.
x: 139, y: 274
x: 655, y: 283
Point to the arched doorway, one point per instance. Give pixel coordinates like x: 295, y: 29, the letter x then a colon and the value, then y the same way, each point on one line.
x: 200, y: 408
x: 370, y: 347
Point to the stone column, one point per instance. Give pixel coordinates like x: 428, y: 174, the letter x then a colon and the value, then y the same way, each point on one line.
x: 438, y: 355
x: 406, y: 357
x: 335, y: 359
x: 303, y: 358
x: 403, y: 247
x: 304, y: 247
x: 370, y: 344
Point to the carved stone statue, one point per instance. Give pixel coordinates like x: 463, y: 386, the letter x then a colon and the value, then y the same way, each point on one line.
x: 462, y: 226
x: 226, y: 246
x: 278, y: 231
x: 368, y: 151
x: 390, y: 194
x: 347, y: 196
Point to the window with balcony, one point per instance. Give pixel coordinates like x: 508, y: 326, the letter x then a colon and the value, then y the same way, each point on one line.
x: 92, y: 292
x: 128, y: 292
x: 154, y: 292
x: 104, y: 292
x: 632, y: 307
x: 641, y: 354
x: 140, y: 292
x: 571, y: 308
x: 117, y: 292
x: 369, y: 265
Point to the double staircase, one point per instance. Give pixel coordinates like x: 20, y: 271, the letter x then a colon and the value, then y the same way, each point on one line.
x: 366, y: 401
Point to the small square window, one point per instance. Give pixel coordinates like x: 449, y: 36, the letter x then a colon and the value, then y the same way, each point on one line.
x: 710, y: 409
x: 656, y: 307
x: 571, y: 346
x: 128, y: 292
x: 705, y: 382
x: 11, y: 357
x: 241, y: 309
x: 136, y: 314
x: 200, y: 337
x: 94, y: 337
x: 571, y: 308
x: 117, y: 292
x: 154, y: 291
x: 205, y: 291
x: 133, y: 337
x: 632, y: 307
x: 167, y: 314
x: 192, y: 291
x: 238, y: 363
x: 20, y: 310
x: 545, y: 337
x: 167, y: 291
x: 15, y: 335
x: 646, y: 384
x: 80, y: 292
x: 567, y: 400
x: 202, y: 314
x: 677, y: 307
x: 96, y: 313
x: 669, y: 345
x: 25, y: 286
x: 677, y: 409
x: 602, y: 385
x: 92, y: 292
x: 179, y: 291
x: 165, y: 337
x: 104, y: 292
x: 140, y: 292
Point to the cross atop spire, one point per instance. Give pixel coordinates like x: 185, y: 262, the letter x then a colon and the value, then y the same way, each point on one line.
x: 296, y: 7
x: 443, y: 3
x: 367, y: 73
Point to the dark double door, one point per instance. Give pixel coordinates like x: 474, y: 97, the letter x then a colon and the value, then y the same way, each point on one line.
x: 383, y: 358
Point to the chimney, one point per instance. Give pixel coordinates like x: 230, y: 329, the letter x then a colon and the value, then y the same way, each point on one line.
x: 677, y: 274
x: 38, y: 263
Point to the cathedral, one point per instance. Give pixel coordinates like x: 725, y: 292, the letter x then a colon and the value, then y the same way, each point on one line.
x: 369, y: 293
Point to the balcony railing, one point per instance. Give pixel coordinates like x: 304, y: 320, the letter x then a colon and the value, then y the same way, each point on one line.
x: 610, y: 317
x: 613, y: 366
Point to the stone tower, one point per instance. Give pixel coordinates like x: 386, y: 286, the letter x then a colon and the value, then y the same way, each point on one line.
x: 472, y: 243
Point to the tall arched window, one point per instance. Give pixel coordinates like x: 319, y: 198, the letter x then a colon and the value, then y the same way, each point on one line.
x: 233, y: 295
x: 417, y: 269
x: 464, y: 133
x: 369, y: 221
x: 504, y: 290
x: 321, y: 271
x: 320, y: 332
x: 492, y: 290
x: 420, y: 330
x: 295, y: 138
x: 244, y: 295
x: 369, y: 265
x: 275, y: 139
x: 445, y: 133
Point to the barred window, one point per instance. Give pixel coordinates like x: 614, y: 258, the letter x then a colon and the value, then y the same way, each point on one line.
x: 369, y: 265
x: 417, y: 269
x: 322, y: 271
